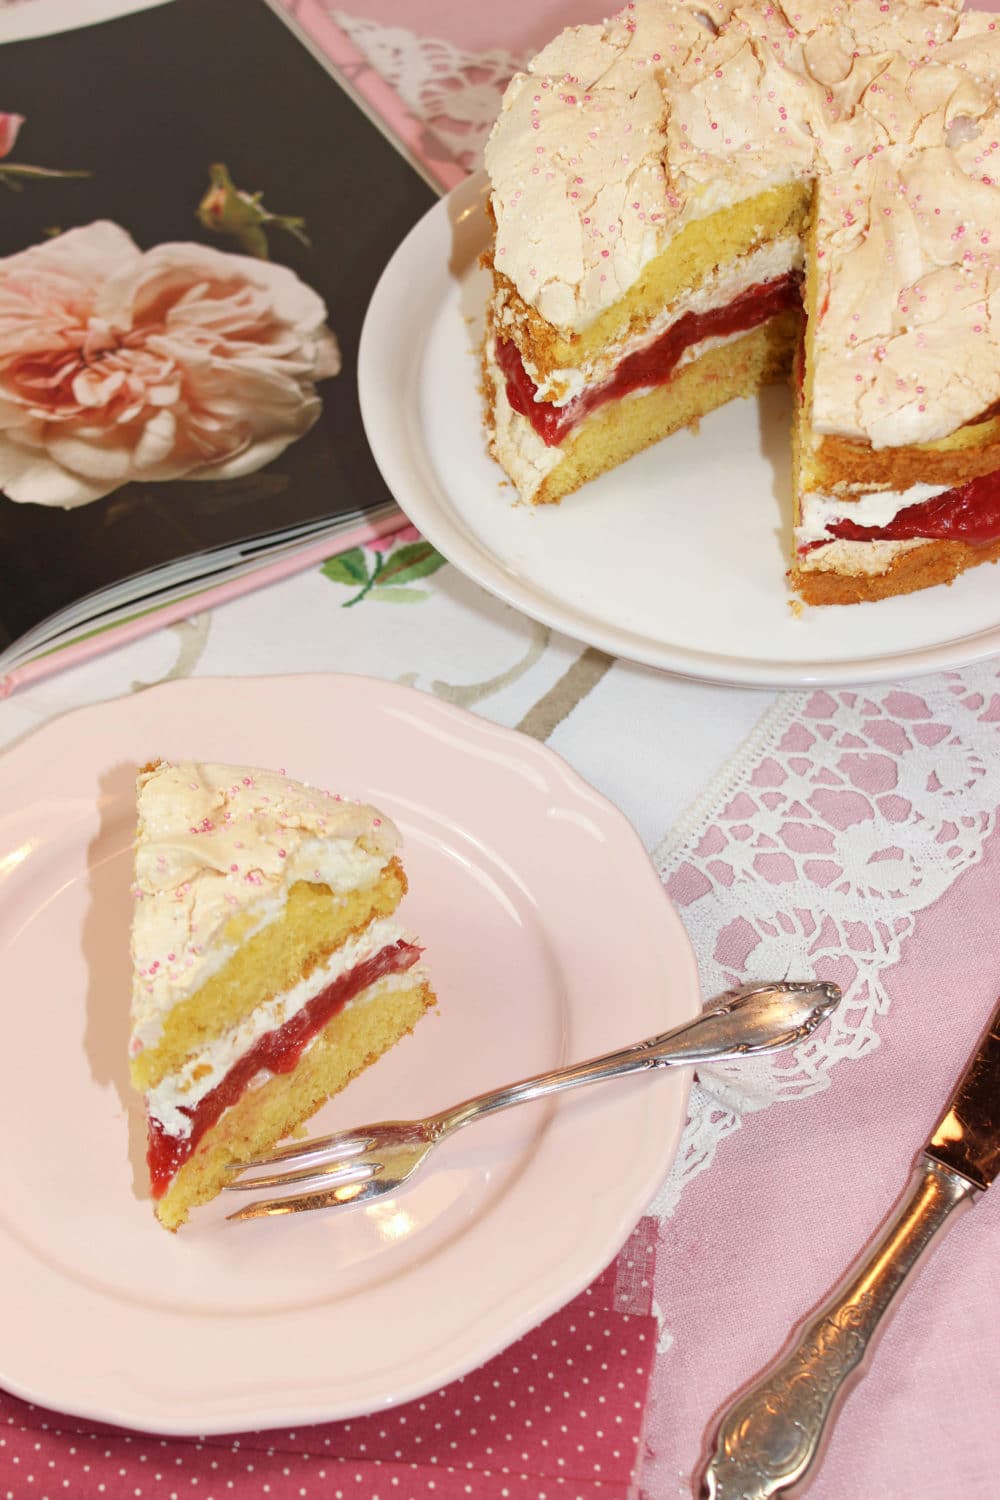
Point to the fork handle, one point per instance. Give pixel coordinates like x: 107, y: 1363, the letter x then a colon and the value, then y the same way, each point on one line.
x: 755, y: 1019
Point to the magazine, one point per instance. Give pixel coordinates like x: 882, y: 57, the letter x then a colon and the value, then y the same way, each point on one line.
x: 195, y: 212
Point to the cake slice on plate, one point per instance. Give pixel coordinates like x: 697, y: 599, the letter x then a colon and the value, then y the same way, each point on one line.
x: 268, y: 964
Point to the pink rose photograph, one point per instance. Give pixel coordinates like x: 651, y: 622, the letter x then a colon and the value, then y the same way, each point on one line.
x: 182, y: 288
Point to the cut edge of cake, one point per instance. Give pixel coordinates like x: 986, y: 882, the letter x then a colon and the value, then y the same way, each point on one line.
x: 669, y: 313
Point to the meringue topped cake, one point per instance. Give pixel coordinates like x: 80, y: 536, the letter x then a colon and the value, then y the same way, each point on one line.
x: 269, y: 967
x: 668, y: 188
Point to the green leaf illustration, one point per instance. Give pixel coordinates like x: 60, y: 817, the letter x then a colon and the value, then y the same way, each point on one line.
x: 410, y: 562
x: 347, y: 567
x: 398, y: 596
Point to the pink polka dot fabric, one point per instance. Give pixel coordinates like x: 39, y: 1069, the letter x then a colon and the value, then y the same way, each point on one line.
x: 558, y: 1414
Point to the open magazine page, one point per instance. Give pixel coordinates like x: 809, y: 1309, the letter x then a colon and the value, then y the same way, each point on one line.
x: 195, y: 215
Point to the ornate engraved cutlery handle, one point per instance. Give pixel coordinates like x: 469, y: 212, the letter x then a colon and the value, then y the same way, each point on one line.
x: 770, y: 1438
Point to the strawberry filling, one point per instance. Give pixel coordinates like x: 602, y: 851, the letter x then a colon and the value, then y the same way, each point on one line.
x: 968, y: 513
x: 647, y: 367
x: 277, y: 1051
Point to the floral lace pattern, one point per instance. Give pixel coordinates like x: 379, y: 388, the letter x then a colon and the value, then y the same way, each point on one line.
x: 456, y: 93
x: 849, y: 813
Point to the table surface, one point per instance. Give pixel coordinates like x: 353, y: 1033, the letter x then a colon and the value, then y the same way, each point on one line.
x: 847, y: 832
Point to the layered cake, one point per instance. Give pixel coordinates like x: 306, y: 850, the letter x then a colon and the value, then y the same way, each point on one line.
x: 269, y: 967
x: 669, y: 191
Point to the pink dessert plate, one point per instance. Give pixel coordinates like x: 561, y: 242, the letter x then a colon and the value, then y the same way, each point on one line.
x: 677, y: 559
x: 549, y: 939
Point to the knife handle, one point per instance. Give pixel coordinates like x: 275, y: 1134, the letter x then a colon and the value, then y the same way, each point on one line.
x: 770, y: 1438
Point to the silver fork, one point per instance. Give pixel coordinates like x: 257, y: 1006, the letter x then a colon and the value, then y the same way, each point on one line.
x: 355, y: 1166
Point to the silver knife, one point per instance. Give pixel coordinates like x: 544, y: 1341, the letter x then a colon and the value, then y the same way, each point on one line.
x: 771, y: 1438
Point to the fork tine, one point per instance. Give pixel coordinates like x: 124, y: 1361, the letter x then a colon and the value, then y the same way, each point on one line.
x: 344, y: 1144
x: 331, y: 1176
x: 355, y: 1192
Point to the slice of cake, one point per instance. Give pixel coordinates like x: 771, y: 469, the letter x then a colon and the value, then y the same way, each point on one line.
x: 268, y: 964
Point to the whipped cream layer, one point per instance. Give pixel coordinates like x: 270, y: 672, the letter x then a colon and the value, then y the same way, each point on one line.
x: 204, y: 1071
x: 218, y: 849
x: 876, y: 508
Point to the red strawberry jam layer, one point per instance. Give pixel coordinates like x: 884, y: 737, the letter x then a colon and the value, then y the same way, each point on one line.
x: 650, y: 366
x: 278, y: 1051
x: 968, y: 513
